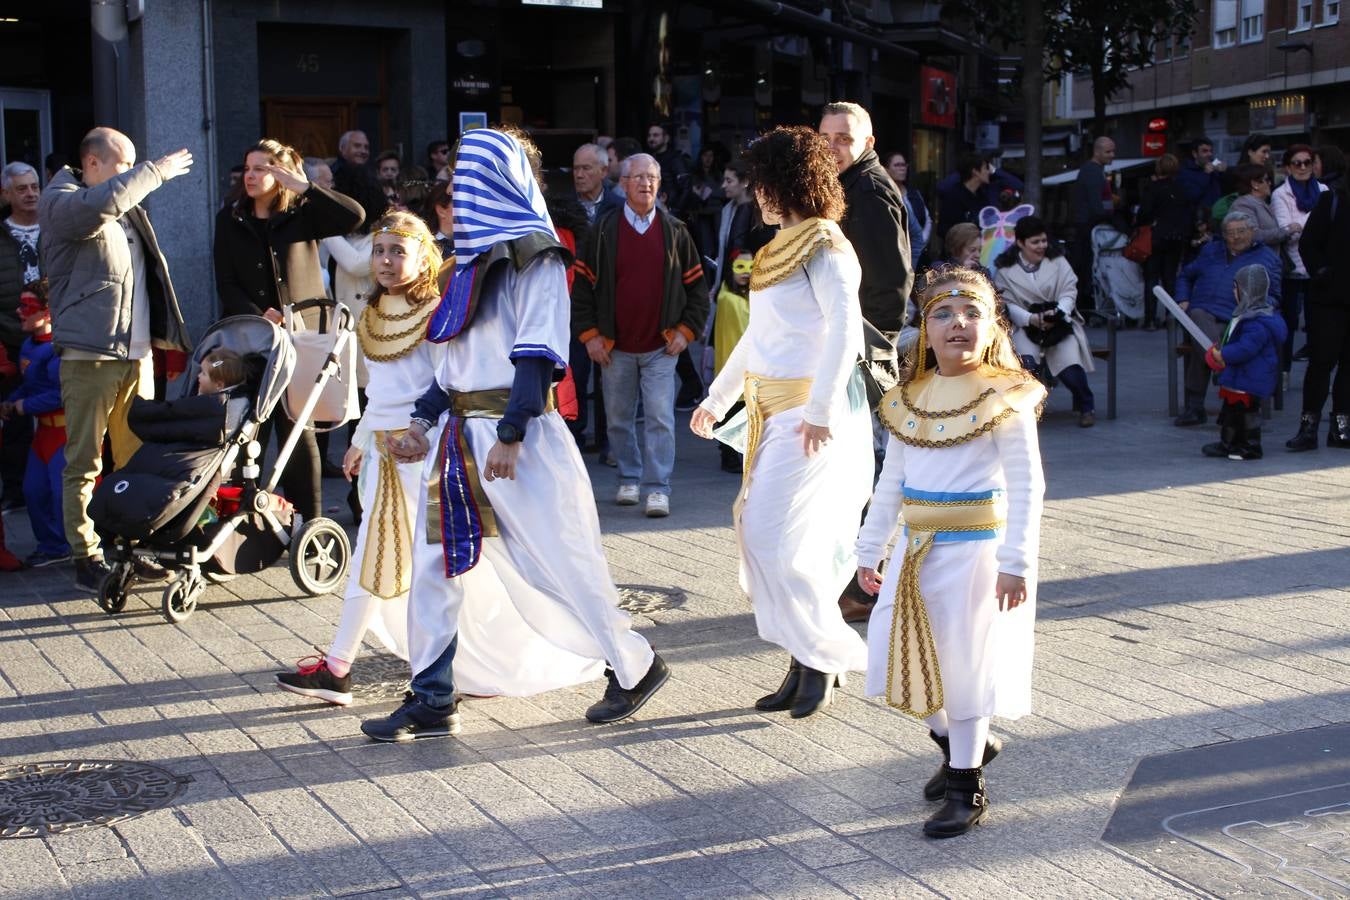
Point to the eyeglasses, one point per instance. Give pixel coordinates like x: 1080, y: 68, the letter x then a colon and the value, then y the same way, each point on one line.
x: 644, y: 179
x: 1300, y: 163
x: 945, y: 316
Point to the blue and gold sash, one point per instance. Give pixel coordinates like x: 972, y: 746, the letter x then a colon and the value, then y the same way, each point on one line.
x: 913, y: 677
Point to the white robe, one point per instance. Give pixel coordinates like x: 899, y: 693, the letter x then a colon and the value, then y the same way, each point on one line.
x: 799, y: 511
x: 547, y: 569
x: 984, y: 655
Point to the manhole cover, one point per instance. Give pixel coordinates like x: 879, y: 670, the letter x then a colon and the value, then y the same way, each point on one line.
x: 380, y: 676
x: 55, y: 797
x: 644, y: 598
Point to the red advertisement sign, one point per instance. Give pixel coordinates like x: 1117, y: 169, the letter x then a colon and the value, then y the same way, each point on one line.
x: 1154, y: 144
x: 937, y: 97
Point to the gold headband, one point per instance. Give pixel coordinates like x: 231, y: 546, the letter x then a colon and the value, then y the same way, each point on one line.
x: 957, y: 292
x: 398, y: 232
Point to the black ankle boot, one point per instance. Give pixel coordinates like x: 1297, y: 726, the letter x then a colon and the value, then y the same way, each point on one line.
x: 782, y: 698
x: 1338, y: 435
x: 1228, y: 440
x: 966, y: 804
x: 815, y: 691
x: 936, y: 788
x: 1306, y: 439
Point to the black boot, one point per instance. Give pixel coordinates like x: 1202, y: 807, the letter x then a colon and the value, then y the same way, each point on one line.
x: 1338, y: 435
x: 619, y: 702
x: 1250, y: 448
x: 1225, y: 446
x: 936, y: 788
x: 1306, y: 439
x: 815, y: 691
x: 782, y: 698
x: 966, y: 804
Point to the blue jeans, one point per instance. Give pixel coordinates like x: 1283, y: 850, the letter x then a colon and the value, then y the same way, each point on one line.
x: 654, y: 375
x: 435, y: 685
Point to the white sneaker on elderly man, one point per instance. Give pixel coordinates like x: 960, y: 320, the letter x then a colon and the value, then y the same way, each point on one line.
x: 627, y: 496
x: 658, y: 505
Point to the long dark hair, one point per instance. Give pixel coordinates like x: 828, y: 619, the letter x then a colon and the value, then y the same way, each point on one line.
x: 1026, y: 229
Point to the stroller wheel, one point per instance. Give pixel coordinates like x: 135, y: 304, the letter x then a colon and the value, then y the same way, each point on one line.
x: 112, y: 592
x: 320, y: 553
x: 180, y: 598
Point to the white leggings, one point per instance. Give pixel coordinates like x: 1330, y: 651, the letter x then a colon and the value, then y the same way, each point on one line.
x: 967, y: 738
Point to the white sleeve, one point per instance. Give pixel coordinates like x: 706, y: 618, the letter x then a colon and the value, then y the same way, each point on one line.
x: 543, y: 310
x: 834, y: 277
x: 348, y: 258
x: 1019, y: 449
x: 729, y: 384
x: 1284, y: 206
x: 883, y: 515
x: 1019, y: 317
x: 1066, y: 282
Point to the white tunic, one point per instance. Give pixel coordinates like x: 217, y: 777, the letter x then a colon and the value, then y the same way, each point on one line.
x: 1054, y: 282
x: 984, y: 655
x: 547, y: 568
x: 799, y: 511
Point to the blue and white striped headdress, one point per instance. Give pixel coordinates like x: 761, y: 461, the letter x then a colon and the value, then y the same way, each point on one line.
x: 494, y: 194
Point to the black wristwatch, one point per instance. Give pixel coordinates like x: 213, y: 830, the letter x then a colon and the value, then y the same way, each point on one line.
x: 508, y: 433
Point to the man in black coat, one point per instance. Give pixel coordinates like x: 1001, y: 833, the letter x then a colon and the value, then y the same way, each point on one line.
x: 877, y: 226
x: 875, y: 222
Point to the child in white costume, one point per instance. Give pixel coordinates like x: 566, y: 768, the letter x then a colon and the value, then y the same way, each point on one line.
x: 502, y: 655
x: 808, y: 459
x: 963, y: 479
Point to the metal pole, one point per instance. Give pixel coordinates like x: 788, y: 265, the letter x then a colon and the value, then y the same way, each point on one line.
x: 108, y: 26
x: 1172, y: 403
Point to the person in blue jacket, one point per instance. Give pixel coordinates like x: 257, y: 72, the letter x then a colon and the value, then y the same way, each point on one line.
x: 1201, y: 176
x: 1247, y: 359
x: 39, y: 395
x: 1205, y: 291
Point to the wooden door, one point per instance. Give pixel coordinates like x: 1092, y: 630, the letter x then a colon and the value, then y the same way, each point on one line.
x: 312, y: 127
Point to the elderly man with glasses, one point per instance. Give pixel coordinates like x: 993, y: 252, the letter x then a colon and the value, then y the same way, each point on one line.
x: 1205, y: 291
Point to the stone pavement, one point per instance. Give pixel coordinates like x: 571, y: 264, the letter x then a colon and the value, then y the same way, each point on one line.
x: 1183, y: 602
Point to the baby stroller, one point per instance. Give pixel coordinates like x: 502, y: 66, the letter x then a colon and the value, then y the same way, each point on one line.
x: 1114, y: 277
x: 208, y: 511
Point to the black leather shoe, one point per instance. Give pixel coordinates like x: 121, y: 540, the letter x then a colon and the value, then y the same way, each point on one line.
x: 1306, y: 439
x: 618, y: 703
x: 815, y: 691
x: 782, y: 698
x: 965, y: 807
x: 1190, y: 417
x: 1338, y: 435
x: 413, y: 720
x: 936, y: 788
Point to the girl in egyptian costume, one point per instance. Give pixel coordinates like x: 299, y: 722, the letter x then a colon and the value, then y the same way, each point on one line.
x: 807, y: 435
x: 392, y: 331
x: 950, y: 641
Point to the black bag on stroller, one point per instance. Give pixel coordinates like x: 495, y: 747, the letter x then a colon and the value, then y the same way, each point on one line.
x: 177, y: 463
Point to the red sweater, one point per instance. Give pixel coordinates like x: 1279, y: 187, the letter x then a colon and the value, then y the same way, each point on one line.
x: 640, y: 276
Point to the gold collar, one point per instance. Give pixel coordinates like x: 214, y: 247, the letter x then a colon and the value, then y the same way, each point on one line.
x: 938, y: 411
x: 790, y: 249
x: 391, y: 327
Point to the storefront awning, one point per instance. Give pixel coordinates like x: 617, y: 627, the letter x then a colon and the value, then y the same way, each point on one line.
x: 1118, y: 166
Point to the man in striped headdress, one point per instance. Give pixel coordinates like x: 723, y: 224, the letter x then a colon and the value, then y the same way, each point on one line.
x: 526, y: 531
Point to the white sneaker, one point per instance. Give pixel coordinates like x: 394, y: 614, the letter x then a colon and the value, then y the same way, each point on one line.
x: 627, y: 496
x: 658, y: 505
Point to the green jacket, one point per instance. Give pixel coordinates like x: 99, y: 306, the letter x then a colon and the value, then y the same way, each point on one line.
x: 684, y: 307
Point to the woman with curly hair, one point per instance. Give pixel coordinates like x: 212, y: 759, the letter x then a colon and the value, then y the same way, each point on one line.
x: 951, y: 638
x: 808, y: 436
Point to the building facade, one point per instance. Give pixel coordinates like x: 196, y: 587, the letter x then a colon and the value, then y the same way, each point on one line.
x: 1275, y: 67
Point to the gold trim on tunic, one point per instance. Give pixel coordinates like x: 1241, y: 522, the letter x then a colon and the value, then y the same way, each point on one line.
x: 791, y: 248
x: 915, y: 686
x: 937, y: 411
x: 386, y: 565
x: 391, y: 327
x: 765, y: 397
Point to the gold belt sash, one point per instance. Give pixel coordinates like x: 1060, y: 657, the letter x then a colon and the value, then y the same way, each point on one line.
x: 485, y: 404
x: 915, y: 686
x: 387, y: 533
x: 766, y: 397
